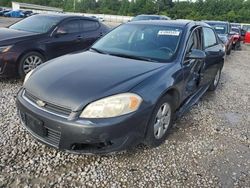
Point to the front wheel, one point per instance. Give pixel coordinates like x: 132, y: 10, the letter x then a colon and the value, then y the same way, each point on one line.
x: 160, y: 122
x: 29, y: 62
x: 216, y: 81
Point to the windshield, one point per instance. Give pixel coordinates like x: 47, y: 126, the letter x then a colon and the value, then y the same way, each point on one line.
x: 220, y: 28
x: 138, y: 18
x: 36, y: 24
x: 236, y: 30
x: 148, y: 42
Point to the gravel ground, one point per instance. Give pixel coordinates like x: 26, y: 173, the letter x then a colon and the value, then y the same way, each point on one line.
x: 208, y: 147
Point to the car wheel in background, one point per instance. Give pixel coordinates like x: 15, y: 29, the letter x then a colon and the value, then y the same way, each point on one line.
x: 216, y: 81
x: 29, y: 62
x: 160, y: 122
x: 229, y: 51
x: 237, y: 45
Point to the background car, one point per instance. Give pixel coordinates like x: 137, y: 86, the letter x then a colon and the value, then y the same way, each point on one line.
x: 15, y: 14
x: 28, y: 13
x: 244, y: 28
x: 247, y: 37
x: 149, y: 17
x: 98, y: 18
x: 236, y: 38
x: 36, y: 39
x: 3, y: 12
x: 126, y: 89
x: 18, y: 13
x: 223, y: 30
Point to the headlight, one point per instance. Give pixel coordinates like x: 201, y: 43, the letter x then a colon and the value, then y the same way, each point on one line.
x: 113, y: 106
x: 27, y: 76
x: 5, y: 48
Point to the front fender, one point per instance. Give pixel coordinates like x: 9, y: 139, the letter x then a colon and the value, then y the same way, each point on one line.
x: 157, y: 85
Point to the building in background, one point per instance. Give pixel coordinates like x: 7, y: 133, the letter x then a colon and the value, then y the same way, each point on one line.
x: 38, y: 8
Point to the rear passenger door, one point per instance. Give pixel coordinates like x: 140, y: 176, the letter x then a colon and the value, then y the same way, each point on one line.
x: 91, y: 31
x: 214, y: 53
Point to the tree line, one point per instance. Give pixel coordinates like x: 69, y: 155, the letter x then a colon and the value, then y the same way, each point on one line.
x: 230, y: 10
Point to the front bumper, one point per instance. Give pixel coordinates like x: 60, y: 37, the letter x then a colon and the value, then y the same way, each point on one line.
x: 81, y: 135
x: 8, y: 64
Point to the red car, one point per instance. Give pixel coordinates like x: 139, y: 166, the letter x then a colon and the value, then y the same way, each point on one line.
x: 247, y: 37
x: 236, y: 37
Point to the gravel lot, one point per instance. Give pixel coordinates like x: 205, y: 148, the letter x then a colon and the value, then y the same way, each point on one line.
x: 208, y: 147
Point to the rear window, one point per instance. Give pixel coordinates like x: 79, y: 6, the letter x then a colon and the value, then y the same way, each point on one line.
x: 88, y: 25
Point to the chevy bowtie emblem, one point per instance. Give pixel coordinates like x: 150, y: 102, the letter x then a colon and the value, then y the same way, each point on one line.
x: 40, y: 103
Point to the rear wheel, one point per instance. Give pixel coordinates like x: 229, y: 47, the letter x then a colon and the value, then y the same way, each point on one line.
x: 229, y: 51
x: 237, y: 46
x: 29, y: 62
x: 216, y: 81
x: 160, y: 122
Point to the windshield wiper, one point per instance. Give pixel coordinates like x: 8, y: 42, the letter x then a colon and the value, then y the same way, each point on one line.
x: 133, y: 57
x: 98, y: 51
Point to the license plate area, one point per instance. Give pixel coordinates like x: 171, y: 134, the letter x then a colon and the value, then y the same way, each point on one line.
x: 34, y: 124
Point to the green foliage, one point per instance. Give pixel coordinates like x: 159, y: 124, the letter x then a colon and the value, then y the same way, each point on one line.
x: 230, y: 10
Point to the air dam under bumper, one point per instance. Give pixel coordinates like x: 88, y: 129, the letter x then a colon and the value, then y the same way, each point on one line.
x: 83, y: 136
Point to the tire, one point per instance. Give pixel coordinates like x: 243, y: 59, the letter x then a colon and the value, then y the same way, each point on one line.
x: 153, y: 139
x: 237, y: 46
x: 216, y: 81
x: 28, y: 62
x: 229, y: 51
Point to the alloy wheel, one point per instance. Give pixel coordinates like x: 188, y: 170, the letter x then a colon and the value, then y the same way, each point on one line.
x: 162, y: 120
x: 31, y: 62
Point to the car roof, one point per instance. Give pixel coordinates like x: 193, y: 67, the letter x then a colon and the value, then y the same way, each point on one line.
x: 173, y: 23
x: 153, y: 15
x: 63, y: 16
x: 215, y: 21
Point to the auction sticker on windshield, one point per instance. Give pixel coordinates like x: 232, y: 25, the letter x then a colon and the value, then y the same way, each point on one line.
x: 169, y: 32
x: 218, y: 27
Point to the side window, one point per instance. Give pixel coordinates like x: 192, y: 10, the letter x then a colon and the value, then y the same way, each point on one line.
x: 194, y: 41
x: 88, y: 25
x: 69, y: 27
x: 209, y: 37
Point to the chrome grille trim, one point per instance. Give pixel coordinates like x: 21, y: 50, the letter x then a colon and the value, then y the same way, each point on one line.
x: 42, y: 108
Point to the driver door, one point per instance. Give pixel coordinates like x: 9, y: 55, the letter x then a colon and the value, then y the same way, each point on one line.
x: 66, y: 39
x: 192, y: 68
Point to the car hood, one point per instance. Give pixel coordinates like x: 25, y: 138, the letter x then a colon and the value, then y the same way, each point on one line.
x: 7, y: 35
x: 74, y: 80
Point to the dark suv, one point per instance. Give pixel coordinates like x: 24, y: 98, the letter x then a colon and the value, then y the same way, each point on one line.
x: 223, y: 30
x: 34, y: 40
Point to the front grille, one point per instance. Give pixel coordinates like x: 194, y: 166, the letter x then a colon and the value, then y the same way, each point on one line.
x: 57, y: 110
x: 53, y: 136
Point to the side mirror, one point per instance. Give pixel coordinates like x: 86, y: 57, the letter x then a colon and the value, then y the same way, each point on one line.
x: 196, y: 54
x: 60, y: 33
